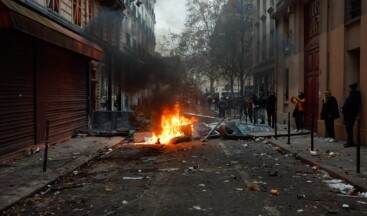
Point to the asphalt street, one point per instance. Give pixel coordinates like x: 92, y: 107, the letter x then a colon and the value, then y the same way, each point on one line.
x: 220, y: 177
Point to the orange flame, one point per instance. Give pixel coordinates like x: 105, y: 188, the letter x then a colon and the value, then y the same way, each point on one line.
x: 171, y: 123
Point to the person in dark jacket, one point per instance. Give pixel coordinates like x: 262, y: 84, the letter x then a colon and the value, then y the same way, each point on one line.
x: 350, y: 111
x: 270, y: 108
x: 222, y: 105
x: 329, y: 113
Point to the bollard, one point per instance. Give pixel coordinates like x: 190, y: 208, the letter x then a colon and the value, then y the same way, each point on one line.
x: 46, y: 146
x: 312, y: 128
x: 275, y: 124
x: 358, y: 145
x: 289, y: 128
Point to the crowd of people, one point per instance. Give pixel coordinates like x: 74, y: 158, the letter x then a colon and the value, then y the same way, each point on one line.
x: 252, y: 108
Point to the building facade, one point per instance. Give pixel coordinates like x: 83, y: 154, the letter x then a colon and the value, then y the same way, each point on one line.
x: 264, y: 47
x: 56, y: 61
x: 320, y: 47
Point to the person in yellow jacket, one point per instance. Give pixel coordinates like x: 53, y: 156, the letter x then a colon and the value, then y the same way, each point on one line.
x: 299, y: 111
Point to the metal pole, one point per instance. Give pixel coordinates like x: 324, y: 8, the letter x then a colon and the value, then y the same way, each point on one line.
x: 289, y: 128
x: 275, y: 121
x: 46, y: 146
x: 312, y: 128
x: 358, y: 145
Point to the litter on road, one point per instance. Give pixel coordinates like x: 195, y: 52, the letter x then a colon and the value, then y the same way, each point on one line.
x: 133, y: 178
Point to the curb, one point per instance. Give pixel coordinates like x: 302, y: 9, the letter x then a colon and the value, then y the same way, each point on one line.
x: 325, y: 168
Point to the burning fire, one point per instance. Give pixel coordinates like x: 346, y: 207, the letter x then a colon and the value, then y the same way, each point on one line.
x: 171, y: 123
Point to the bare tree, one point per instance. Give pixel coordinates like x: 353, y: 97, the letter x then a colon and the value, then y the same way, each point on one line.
x: 202, y: 17
x: 233, y: 42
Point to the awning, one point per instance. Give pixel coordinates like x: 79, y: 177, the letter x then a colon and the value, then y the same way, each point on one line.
x: 14, y: 15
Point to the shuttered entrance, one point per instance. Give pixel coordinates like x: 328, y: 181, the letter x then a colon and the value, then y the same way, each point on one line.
x: 17, y: 120
x: 65, y: 80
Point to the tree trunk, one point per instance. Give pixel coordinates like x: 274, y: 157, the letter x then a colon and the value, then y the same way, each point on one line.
x: 242, y: 84
x: 232, y: 86
x: 212, y: 86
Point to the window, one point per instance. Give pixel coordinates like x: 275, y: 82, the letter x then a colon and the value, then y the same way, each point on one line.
x: 53, y: 5
x: 352, y: 9
x: 89, y: 10
x: 313, y: 18
x: 77, y: 12
x: 286, y: 85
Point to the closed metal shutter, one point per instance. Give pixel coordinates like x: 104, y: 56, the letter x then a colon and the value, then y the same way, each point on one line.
x: 66, y: 94
x: 17, y: 118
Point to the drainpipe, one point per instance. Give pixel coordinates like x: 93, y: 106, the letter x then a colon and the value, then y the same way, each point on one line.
x: 327, y: 44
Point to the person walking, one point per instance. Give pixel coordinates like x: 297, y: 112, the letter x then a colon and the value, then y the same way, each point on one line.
x: 222, y: 105
x: 299, y: 111
x: 329, y: 113
x: 350, y: 111
x: 262, y: 105
x: 248, y: 108
x: 255, y: 108
x: 270, y: 109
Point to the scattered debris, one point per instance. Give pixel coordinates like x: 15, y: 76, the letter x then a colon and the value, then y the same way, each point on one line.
x: 301, y: 196
x: 124, y: 202
x: 313, y: 153
x: 133, y: 178
x: 108, y: 189
x: 273, y: 173
x: 169, y: 169
x: 275, y: 192
x: 345, y: 206
x: 253, y: 187
x: 299, y: 210
x: 197, y: 208
x: 150, y: 159
x: 316, y: 168
x: 59, y: 187
x: 339, y: 186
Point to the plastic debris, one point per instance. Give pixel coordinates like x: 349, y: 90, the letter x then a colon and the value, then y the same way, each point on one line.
x: 339, y: 185
x: 201, y: 185
x: 345, y: 206
x: 299, y: 210
x: 133, y: 178
x: 197, y: 208
x: 313, y: 153
x: 149, y: 159
x: 124, y: 202
x: 109, y: 151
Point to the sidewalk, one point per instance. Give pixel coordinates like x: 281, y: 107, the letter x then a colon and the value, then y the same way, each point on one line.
x: 20, y: 178
x: 340, y: 162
